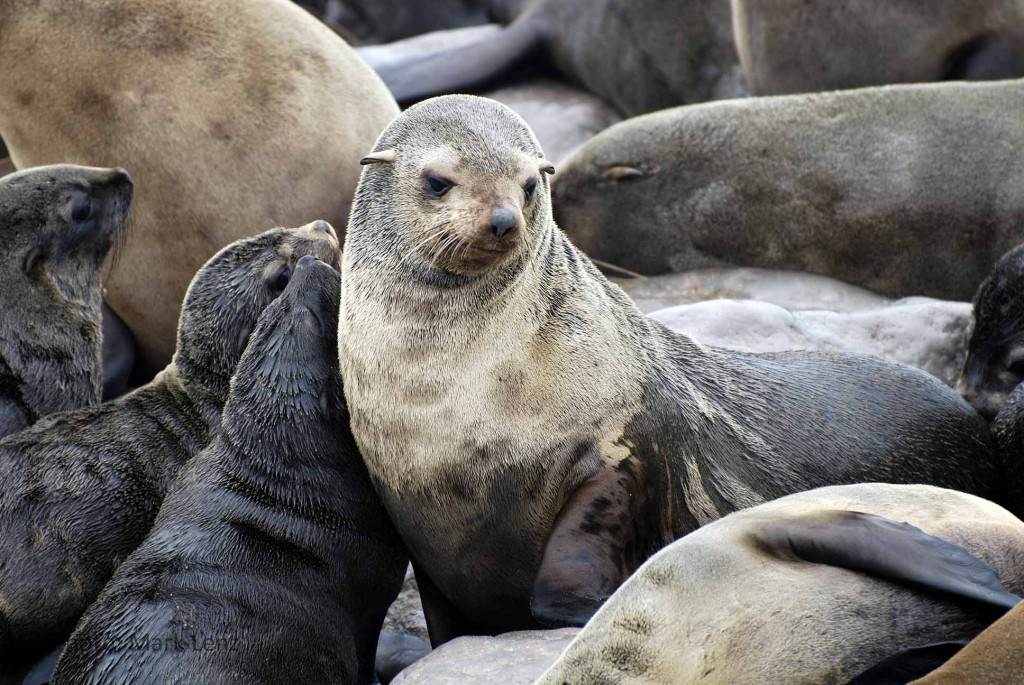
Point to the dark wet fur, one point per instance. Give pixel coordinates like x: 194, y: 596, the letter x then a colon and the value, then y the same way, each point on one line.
x: 50, y: 318
x: 81, y: 488
x: 273, y: 544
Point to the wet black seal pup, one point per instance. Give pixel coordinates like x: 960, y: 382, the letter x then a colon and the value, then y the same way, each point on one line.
x: 57, y: 226
x: 533, y: 435
x: 81, y: 488
x: 272, y: 559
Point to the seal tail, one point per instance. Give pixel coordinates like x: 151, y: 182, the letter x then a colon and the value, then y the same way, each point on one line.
x: 459, y: 61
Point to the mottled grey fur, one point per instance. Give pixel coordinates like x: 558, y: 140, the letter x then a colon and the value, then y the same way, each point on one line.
x: 906, y: 190
x: 481, y: 403
x: 272, y: 544
x: 81, y: 488
x: 50, y: 292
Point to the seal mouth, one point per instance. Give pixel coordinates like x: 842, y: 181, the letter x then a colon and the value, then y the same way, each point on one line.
x: 486, y: 250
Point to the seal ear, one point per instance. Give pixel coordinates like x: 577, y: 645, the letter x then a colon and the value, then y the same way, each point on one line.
x: 622, y: 173
x: 546, y: 167
x: 382, y: 157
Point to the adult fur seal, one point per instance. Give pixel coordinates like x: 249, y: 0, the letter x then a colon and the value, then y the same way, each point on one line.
x: 231, y: 115
x: 579, y: 436
x: 995, y: 352
x: 57, y: 225
x: 905, y: 190
x: 812, y: 588
x: 792, y: 46
x: 272, y: 547
x: 81, y: 488
x: 640, y: 56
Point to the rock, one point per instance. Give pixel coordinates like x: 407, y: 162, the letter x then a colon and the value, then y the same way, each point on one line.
x: 790, y: 289
x: 928, y: 334
x: 510, y: 659
x: 403, y: 639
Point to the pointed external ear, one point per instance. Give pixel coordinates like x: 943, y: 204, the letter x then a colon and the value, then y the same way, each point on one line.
x: 622, y: 173
x: 382, y: 157
x: 546, y: 167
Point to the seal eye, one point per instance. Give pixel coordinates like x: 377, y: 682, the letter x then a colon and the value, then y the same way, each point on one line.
x: 81, y: 208
x: 438, y: 186
x: 530, y: 188
x: 282, y: 279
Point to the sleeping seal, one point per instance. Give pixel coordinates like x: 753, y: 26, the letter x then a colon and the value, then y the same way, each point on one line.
x: 272, y: 546
x: 533, y: 435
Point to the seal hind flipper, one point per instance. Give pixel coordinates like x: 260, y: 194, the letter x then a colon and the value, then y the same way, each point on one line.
x: 444, y: 620
x: 592, y: 549
x: 909, y: 664
x: 880, y: 547
x: 470, y: 66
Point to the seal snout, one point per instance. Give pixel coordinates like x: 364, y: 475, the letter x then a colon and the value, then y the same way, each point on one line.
x: 502, y: 221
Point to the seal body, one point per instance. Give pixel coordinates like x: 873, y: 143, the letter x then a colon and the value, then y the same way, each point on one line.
x: 82, y: 487
x: 804, y: 590
x: 233, y: 117
x: 57, y: 226
x: 789, y: 46
x: 272, y: 546
x: 905, y: 190
x: 580, y: 436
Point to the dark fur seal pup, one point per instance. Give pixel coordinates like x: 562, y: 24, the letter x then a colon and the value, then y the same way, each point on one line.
x: 905, y: 190
x: 532, y: 433
x: 640, y: 56
x: 794, y: 46
x: 812, y: 588
x: 995, y: 352
x: 81, y: 489
x: 253, y: 111
x: 57, y: 225
x: 272, y: 547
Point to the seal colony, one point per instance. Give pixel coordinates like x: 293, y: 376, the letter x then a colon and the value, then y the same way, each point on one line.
x: 533, y: 436
x: 233, y: 116
x: 57, y: 226
x: 272, y: 544
x: 81, y: 488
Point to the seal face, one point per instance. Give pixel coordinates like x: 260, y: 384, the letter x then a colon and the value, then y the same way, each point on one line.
x: 272, y: 548
x: 57, y: 225
x: 83, y: 486
x: 579, y: 436
x: 995, y: 352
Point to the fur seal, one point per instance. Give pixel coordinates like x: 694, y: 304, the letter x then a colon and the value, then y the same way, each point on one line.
x: 81, y: 488
x: 57, y: 225
x: 992, y: 658
x: 639, y: 56
x: 995, y: 352
x: 793, y: 46
x: 272, y: 546
x: 580, y: 436
x: 231, y: 115
x: 1008, y: 433
x: 904, y: 190
x: 812, y: 588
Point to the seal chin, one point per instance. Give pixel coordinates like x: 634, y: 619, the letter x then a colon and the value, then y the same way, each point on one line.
x: 475, y: 258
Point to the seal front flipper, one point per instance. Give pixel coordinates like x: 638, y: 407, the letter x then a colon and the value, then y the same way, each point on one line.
x: 592, y: 549
x: 909, y: 664
x: 411, y: 73
x: 879, y: 547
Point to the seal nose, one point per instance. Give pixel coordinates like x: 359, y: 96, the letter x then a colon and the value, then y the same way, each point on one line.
x: 502, y: 221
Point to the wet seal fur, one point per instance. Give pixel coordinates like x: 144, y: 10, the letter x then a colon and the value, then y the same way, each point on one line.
x: 905, y: 190
x: 272, y: 546
x: 579, y: 435
x: 57, y: 226
x: 640, y: 56
x: 812, y: 588
x: 81, y: 488
x: 232, y: 116
x: 792, y: 46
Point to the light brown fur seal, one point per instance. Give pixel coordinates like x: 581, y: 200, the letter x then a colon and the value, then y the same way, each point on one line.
x: 233, y: 116
x: 812, y: 588
x: 57, y: 226
x: 533, y: 435
x: 905, y: 190
x: 81, y: 488
x: 795, y: 46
